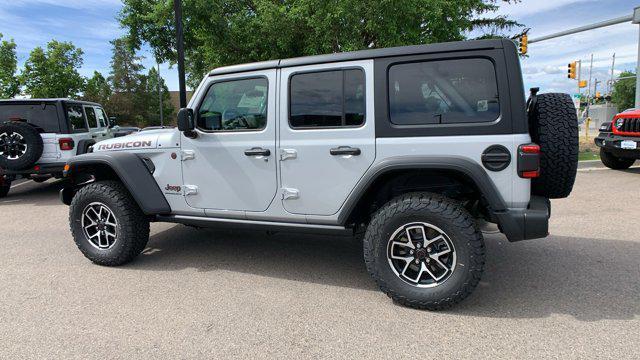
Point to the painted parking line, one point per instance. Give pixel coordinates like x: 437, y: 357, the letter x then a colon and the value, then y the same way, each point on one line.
x: 9, y: 201
x: 20, y: 184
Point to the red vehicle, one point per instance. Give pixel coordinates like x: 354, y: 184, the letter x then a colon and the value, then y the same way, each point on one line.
x: 619, y: 140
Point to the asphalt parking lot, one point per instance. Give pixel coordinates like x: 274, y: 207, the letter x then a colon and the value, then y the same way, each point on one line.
x: 202, y: 293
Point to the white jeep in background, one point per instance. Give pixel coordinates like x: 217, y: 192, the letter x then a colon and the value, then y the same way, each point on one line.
x: 38, y: 136
x: 408, y: 149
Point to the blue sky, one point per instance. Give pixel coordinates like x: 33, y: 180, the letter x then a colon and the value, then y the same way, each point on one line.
x: 91, y: 24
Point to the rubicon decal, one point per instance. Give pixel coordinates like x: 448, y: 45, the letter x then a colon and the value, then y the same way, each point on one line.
x: 126, y: 145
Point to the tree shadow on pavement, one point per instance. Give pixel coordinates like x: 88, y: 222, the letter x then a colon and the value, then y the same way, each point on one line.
x: 589, y: 279
x: 31, y: 193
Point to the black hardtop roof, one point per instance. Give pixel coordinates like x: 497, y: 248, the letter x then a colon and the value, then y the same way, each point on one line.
x: 365, y: 54
x: 51, y: 100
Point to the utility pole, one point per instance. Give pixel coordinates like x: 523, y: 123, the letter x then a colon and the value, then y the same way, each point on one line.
x: 589, y: 84
x: 177, y: 7
x: 613, y: 64
x: 160, y: 95
x: 595, y: 88
x: 579, y: 74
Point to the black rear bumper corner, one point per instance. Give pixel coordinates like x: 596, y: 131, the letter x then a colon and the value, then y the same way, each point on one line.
x: 530, y: 223
x: 40, y: 169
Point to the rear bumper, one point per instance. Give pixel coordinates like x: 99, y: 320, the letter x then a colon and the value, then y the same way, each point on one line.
x: 611, y: 143
x: 526, y: 224
x: 41, y: 169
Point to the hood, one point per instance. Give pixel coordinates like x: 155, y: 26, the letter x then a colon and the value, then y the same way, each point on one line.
x: 145, y: 140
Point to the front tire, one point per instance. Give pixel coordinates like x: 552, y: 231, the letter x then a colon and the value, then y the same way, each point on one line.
x: 424, y: 251
x: 612, y: 162
x: 107, y: 225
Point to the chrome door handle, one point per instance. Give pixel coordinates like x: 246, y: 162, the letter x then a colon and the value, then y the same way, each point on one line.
x: 345, y: 150
x: 257, y: 152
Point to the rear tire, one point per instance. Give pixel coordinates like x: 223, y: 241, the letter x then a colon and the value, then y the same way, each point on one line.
x: 555, y: 128
x: 612, y: 162
x: 40, y: 179
x: 107, y: 209
x: 21, y: 145
x: 424, y: 218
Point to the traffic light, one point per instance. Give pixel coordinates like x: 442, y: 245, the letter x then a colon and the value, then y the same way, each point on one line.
x: 524, y: 41
x: 598, y: 96
x: 582, y: 83
x: 571, y: 71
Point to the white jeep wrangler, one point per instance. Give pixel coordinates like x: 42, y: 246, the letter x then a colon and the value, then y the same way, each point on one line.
x: 408, y: 149
x: 38, y: 136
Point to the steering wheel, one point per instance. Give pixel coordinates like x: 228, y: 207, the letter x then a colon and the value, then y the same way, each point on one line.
x: 238, y: 121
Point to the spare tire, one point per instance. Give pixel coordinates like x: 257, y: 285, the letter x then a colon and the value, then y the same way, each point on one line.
x: 20, y: 145
x: 553, y: 125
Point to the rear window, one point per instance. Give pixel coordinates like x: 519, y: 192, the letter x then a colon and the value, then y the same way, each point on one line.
x: 443, y: 92
x: 76, y: 118
x: 44, y: 116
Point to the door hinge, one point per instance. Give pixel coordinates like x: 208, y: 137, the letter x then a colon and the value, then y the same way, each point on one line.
x: 188, y: 155
x: 190, y: 190
x: 286, y: 154
x: 290, y: 194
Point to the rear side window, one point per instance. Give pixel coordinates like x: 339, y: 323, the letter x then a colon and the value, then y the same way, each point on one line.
x: 44, y: 116
x: 443, y: 92
x: 327, y: 99
x: 76, y: 118
x: 92, y: 119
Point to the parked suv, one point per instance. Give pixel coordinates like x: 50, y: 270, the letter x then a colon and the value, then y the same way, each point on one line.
x: 618, y: 140
x: 38, y: 136
x: 407, y: 149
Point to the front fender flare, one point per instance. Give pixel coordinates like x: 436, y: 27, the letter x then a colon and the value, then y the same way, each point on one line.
x: 133, y: 174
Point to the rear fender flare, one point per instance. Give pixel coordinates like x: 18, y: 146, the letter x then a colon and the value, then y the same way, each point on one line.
x: 468, y: 168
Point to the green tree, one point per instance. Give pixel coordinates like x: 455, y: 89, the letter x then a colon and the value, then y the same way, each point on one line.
x: 223, y: 32
x: 9, y: 84
x: 54, y: 72
x: 152, y: 100
x: 128, y: 84
x: 624, y: 91
x: 97, y: 89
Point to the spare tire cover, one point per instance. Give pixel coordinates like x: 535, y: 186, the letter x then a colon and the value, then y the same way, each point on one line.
x: 553, y: 125
x: 21, y: 145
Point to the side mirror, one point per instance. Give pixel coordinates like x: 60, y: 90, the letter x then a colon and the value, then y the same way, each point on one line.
x: 186, y: 121
x: 112, y: 121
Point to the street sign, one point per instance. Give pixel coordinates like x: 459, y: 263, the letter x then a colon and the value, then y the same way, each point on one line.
x: 576, y: 103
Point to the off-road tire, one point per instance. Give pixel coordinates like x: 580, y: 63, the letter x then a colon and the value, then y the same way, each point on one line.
x: 5, y: 186
x: 612, y: 162
x: 132, y: 232
x: 554, y: 126
x: 34, y: 143
x: 444, y: 213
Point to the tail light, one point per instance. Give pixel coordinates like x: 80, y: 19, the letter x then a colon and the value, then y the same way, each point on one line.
x: 66, y: 144
x: 529, y: 161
